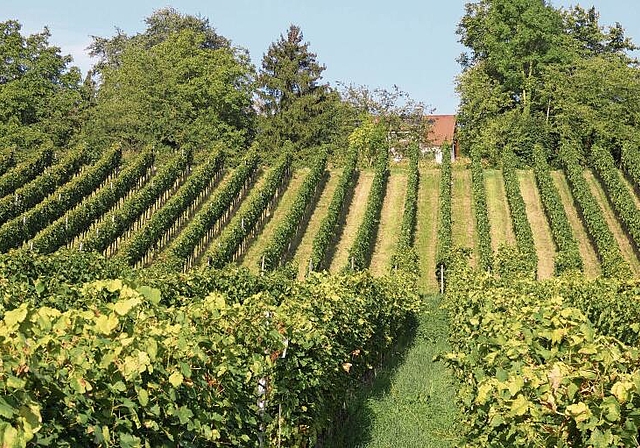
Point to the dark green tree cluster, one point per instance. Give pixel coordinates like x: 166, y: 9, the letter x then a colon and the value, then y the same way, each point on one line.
x: 294, y: 104
x: 40, y: 95
x: 537, y: 74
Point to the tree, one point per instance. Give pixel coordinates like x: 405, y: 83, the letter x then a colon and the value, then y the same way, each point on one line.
x: 294, y: 105
x: 40, y: 94
x: 176, y: 88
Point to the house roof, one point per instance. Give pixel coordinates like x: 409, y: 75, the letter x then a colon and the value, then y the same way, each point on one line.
x: 441, y: 129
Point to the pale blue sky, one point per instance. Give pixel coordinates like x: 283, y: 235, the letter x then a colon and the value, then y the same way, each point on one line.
x: 377, y: 43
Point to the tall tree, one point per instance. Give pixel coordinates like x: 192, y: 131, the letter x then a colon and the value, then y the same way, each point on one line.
x: 40, y: 94
x: 294, y: 105
x: 175, y: 86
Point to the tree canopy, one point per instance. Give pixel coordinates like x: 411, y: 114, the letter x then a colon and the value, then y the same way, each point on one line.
x: 530, y: 74
x: 40, y: 93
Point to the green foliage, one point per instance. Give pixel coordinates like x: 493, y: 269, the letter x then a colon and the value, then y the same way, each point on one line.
x: 116, y: 222
x: 605, y: 243
x: 369, y: 138
x: 7, y: 160
x: 294, y: 105
x: 269, y: 367
x: 22, y: 228
x: 223, y: 200
x: 362, y: 247
x: 40, y: 95
x: 174, y: 88
x: 617, y: 192
x: 445, y: 240
x: 568, y: 255
x: 631, y: 162
x: 483, y: 228
x: 521, y: 226
x: 281, y: 243
x: 39, y: 188
x: 242, y: 226
x: 144, y: 240
x: 327, y: 232
x: 405, y: 256
x: 78, y: 220
x: 28, y: 170
x: 535, y: 370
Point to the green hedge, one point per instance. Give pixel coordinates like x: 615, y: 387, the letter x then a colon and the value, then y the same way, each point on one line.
x: 117, y: 222
x: 329, y: 226
x: 521, y: 226
x: 281, y: 242
x: 568, y: 255
x: 39, y: 188
x: 483, y: 227
x: 19, y: 175
x: 147, y: 238
x: 228, y: 245
x: 360, y: 251
x: 617, y: 192
x: 405, y: 256
x: 78, y: 220
x: 631, y: 163
x: 7, y: 160
x: 26, y: 226
x: 605, y: 243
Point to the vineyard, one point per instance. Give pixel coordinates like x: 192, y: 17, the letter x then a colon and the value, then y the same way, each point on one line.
x: 243, y: 340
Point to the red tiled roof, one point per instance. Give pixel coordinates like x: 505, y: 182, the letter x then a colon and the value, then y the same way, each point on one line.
x: 441, y: 129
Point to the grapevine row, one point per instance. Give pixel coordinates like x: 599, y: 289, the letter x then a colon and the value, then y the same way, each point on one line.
x: 483, y: 227
x: 631, y: 163
x: 26, y: 226
x: 605, y: 243
x: 67, y: 227
x: 282, y: 242
x: 617, y: 192
x: 521, y: 226
x: 445, y: 243
x: 118, y: 222
x: 185, y: 249
x: 39, y: 188
x: 360, y: 251
x: 166, y: 221
x: 7, y: 160
x: 405, y: 257
x: 19, y: 175
x: 329, y: 225
x: 568, y: 256
x: 233, y: 240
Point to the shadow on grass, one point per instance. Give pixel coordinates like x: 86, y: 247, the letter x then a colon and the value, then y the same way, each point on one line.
x: 353, y: 425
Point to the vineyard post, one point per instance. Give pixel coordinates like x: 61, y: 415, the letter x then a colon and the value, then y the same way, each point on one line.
x: 441, y: 279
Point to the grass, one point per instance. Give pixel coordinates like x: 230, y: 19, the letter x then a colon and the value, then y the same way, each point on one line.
x: 303, y: 253
x: 498, y: 208
x: 463, y: 227
x: 427, y: 227
x: 545, y: 247
x: 390, y: 222
x: 587, y: 252
x: 411, y: 401
x: 625, y: 245
x: 352, y: 222
x: 252, y: 256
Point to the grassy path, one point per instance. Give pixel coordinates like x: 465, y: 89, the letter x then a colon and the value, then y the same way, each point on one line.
x: 390, y: 222
x: 499, y: 216
x: 626, y: 246
x: 427, y: 227
x: 303, y: 253
x: 545, y: 247
x: 463, y: 228
x: 354, y: 218
x: 411, y: 403
x: 587, y: 252
x: 252, y: 256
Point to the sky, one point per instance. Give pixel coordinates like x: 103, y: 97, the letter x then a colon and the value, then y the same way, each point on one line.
x: 376, y: 43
